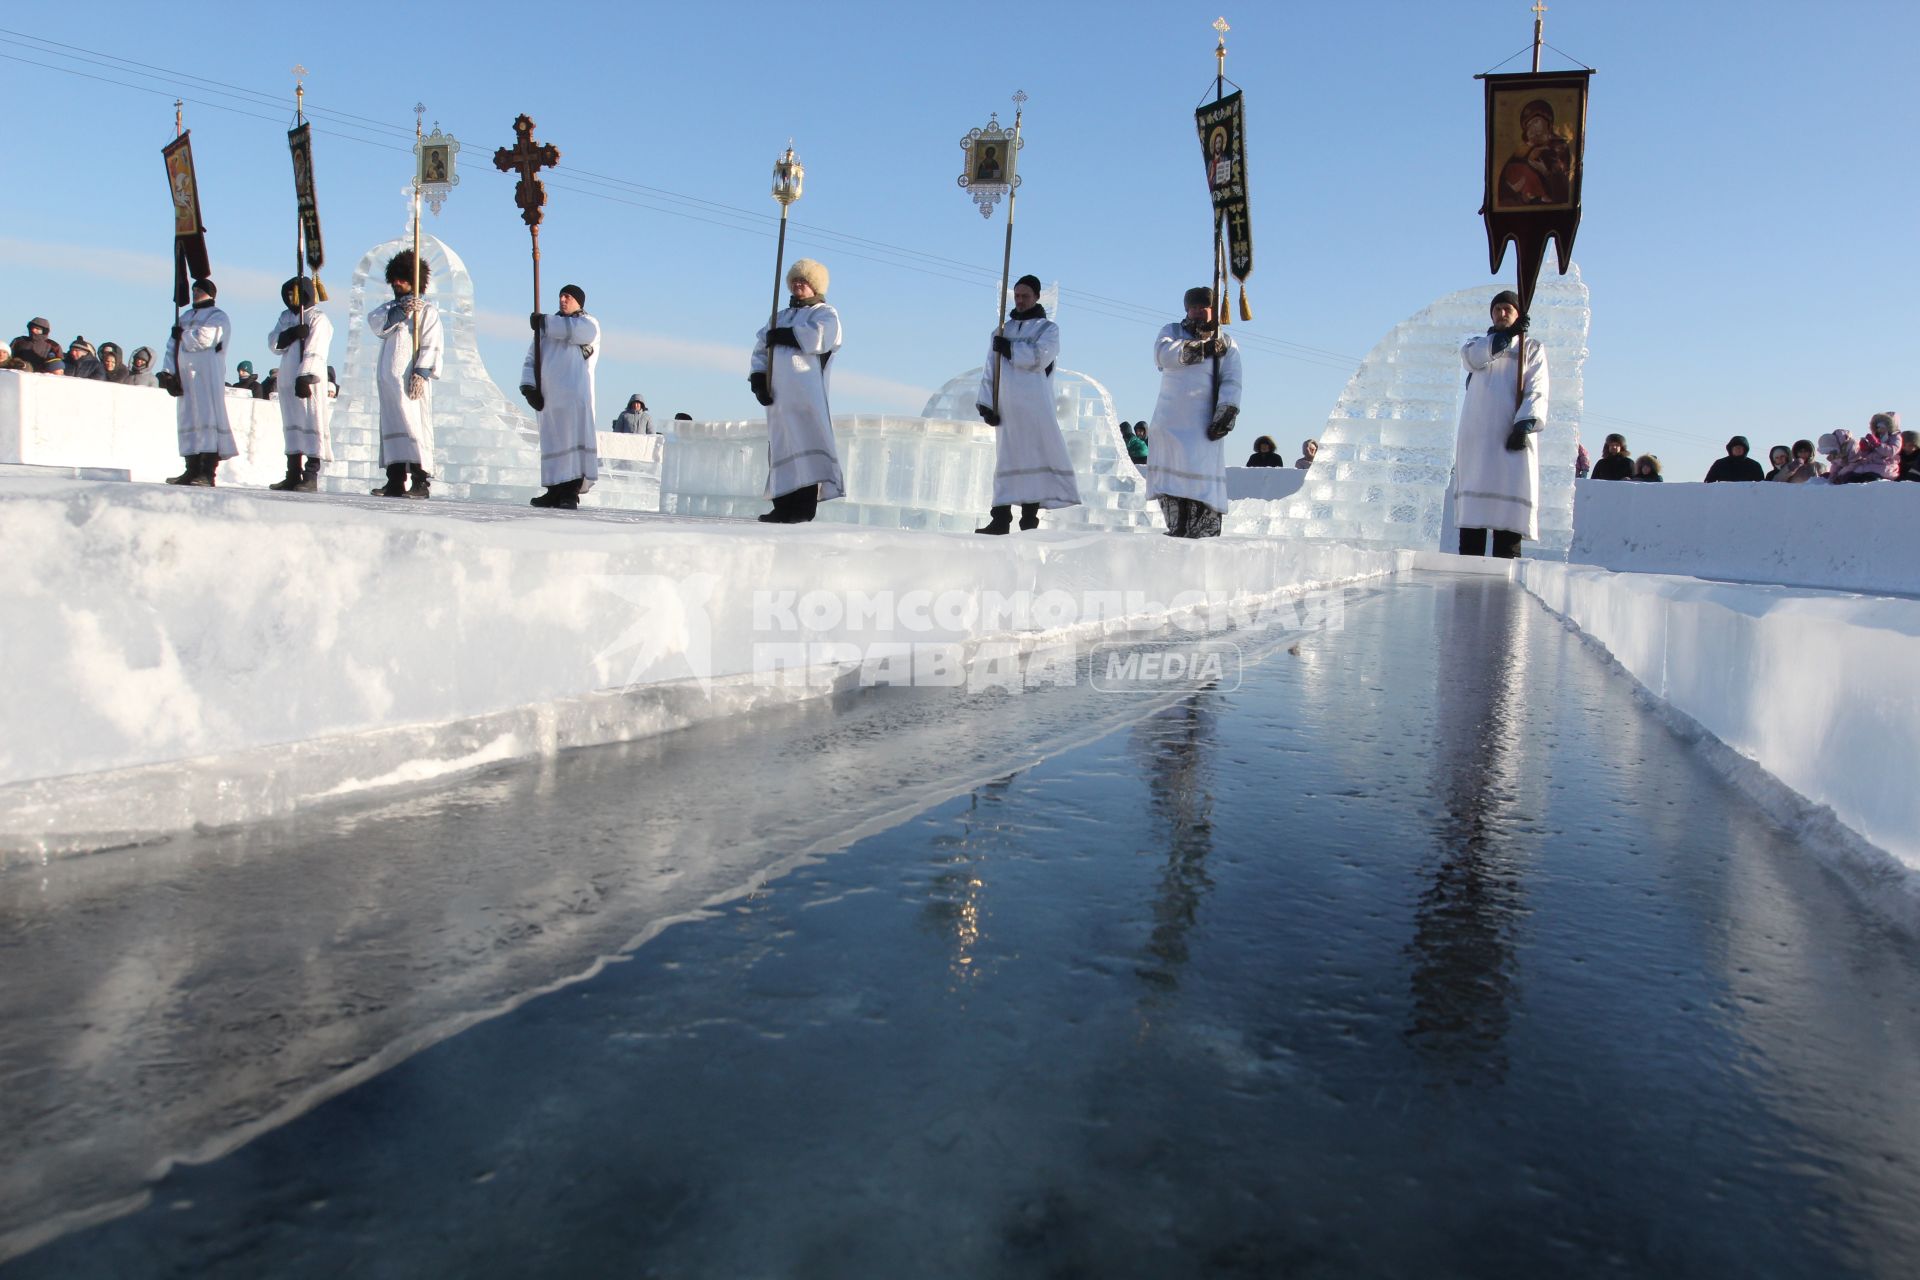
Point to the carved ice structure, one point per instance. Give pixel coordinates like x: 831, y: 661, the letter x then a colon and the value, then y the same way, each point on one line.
x: 1385, y: 465
x: 485, y: 446
x: 930, y: 472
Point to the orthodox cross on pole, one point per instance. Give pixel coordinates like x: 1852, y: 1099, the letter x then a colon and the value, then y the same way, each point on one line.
x: 527, y: 158
x: 1220, y: 51
x: 1539, y: 25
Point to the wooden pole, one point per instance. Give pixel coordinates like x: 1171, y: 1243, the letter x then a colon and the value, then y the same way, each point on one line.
x: 1219, y: 224
x: 299, y: 231
x: 418, y: 112
x: 535, y: 229
x: 1006, y: 255
x: 773, y: 312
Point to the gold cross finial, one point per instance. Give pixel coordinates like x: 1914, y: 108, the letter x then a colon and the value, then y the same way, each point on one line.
x: 1220, y: 25
x: 1538, y: 9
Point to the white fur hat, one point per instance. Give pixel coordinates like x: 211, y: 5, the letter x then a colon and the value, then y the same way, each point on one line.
x: 810, y: 271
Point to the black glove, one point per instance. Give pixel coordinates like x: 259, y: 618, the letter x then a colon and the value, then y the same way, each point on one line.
x: 533, y: 396
x: 761, y: 391
x: 304, y: 384
x: 987, y: 415
x: 1216, y: 346
x: 1520, y: 325
x: 782, y: 336
x: 1003, y: 345
x: 175, y: 335
x: 171, y: 383
x: 538, y: 321
x: 1517, y: 438
x: 284, y: 341
x: 1223, y: 422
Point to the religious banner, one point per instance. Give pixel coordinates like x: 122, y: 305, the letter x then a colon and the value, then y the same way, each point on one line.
x: 987, y: 171
x: 1223, y: 145
x: 189, y: 232
x: 1536, y: 145
x: 434, y: 174
x: 300, y: 143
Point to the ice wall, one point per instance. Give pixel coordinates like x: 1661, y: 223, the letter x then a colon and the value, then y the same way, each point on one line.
x: 485, y: 446
x: 1386, y: 456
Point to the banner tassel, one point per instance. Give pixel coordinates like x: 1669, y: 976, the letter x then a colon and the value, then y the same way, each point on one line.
x: 320, y: 291
x: 1246, y: 312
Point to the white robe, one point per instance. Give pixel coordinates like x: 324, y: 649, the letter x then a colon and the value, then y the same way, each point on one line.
x: 1182, y: 462
x: 800, y: 446
x: 1492, y: 487
x: 406, y: 426
x: 569, y: 427
x: 200, y: 413
x: 304, y: 422
x: 1032, y: 465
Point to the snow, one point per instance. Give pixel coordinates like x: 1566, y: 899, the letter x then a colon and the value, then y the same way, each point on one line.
x: 1814, y: 687
x: 223, y: 655
x: 1855, y: 537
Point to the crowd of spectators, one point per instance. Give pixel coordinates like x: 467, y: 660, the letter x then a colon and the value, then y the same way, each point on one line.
x: 1885, y: 452
x: 35, y: 351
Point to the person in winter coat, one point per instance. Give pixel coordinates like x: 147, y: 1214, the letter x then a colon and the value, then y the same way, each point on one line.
x: 1616, y: 461
x: 247, y: 381
x: 1582, y: 464
x: 1265, y: 454
x: 1856, y: 462
x: 789, y: 375
x: 302, y: 336
x: 1880, y: 449
x: 404, y: 378
x: 1032, y: 469
x: 568, y: 345
x: 1309, y: 450
x: 82, y: 363
x: 1736, y: 466
x: 1199, y: 402
x: 140, y: 371
x: 1133, y: 435
x: 1779, y: 458
x: 1496, y: 462
x: 1648, y: 469
x: 195, y: 374
x: 112, y: 362
x: 1804, y: 466
x: 38, y: 349
x: 634, y: 419
x: 1910, y: 455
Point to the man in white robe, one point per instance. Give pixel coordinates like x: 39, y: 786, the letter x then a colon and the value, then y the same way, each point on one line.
x: 569, y: 346
x: 1496, y: 464
x: 1199, y: 401
x: 1031, y: 466
x: 302, y: 335
x: 789, y: 376
x: 194, y: 373
x: 404, y: 378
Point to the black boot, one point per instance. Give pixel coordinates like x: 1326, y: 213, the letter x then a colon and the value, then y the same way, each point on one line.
x: 782, y: 512
x: 564, y: 496
x: 1473, y: 542
x: 1506, y: 544
x: 190, y: 472
x: 422, y: 481
x: 292, y: 480
x: 209, y: 463
x: 396, y: 486
x: 806, y: 502
x: 1001, y: 521
x: 310, y: 479
x: 1029, y: 515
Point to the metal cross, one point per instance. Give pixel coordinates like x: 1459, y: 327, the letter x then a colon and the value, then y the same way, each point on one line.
x: 1220, y: 25
x: 527, y: 157
x: 1019, y: 99
x: 1538, y: 9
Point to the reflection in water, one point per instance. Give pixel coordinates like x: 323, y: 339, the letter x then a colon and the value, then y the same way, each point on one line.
x: 955, y: 908
x: 1176, y: 750
x: 1463, y: 945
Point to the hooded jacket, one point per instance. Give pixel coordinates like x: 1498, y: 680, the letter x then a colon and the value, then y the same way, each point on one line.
x: 43, y: 353
x: 140, y: 377
x: 1732, y: 468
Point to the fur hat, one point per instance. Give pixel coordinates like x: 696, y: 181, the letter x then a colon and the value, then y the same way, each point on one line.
x: 207, y: 287
x: 810, y: 271
x: 1200, y: 293
x: 575, y: 292
x: 400, y: 267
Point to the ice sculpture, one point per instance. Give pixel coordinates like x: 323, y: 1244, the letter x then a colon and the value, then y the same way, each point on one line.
x: 1386, y: 456
x: 485, y: 446
x: 930, y: 472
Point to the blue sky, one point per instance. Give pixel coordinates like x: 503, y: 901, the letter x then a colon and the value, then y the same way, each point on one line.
x: 1748, y: 238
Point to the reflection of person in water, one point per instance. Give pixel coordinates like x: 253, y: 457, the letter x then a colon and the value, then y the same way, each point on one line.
x: 1540, y: 171
x: 1178, y: 746
x: 988, y: 169
x: 1219, y: 164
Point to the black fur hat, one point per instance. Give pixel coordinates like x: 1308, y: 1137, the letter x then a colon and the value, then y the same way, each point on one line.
x: 400, y: 267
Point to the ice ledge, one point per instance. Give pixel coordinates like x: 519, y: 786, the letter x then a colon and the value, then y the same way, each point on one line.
x: 1809, y: 686
x: 213, y: 656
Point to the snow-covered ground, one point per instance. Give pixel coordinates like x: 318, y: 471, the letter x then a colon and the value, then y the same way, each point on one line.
x: 1814, y: 687
x: 1852, y: 537
x: 185, y: 656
